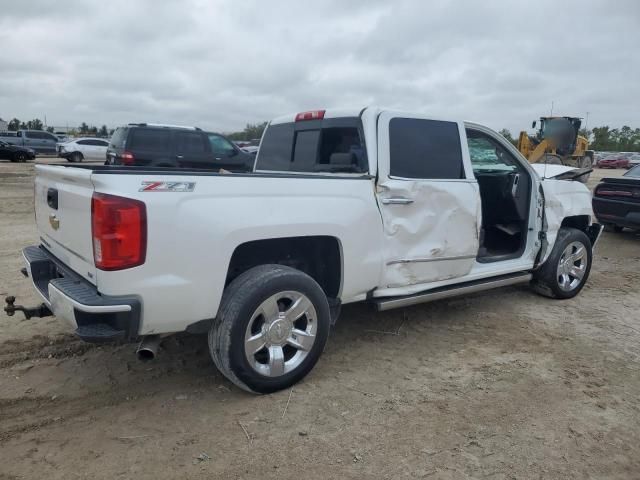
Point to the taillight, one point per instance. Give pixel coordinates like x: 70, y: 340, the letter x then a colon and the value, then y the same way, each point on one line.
x: 310, y: 115
x: 127, y: 158
x: 119, y: 230
x: 613, y: 193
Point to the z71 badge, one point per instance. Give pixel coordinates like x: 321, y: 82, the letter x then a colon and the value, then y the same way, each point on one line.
x: 167, y: 186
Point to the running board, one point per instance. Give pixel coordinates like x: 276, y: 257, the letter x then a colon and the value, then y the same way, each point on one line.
x: 452, y: 291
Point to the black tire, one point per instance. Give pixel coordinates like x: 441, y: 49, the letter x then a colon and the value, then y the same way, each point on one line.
x: 75, y: 157
x: 546, y: 279
x: 20, y: 157
x: 241, y: 299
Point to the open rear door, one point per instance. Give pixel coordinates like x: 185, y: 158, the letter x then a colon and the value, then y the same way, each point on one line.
x: 429, y: 200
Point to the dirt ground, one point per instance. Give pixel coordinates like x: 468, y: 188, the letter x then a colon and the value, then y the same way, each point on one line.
x: 499, y: 385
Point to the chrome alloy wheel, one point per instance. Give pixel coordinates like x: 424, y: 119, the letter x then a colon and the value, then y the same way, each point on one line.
x: 572, y: 266
x: 280, y: 334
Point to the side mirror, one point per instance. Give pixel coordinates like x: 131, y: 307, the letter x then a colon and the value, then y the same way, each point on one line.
x: 533, y: 125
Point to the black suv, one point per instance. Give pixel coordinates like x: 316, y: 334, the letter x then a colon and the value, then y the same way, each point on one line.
x: 146, y: 144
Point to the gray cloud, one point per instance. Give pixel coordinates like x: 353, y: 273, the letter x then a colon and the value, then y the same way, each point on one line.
x: 221, y: 64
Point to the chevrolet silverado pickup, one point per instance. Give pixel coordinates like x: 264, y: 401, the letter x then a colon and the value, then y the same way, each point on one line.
x: 341, y: 206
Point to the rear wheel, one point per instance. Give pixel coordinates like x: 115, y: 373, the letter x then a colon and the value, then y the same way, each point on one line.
x: 271, y: 329
x: 617, y: 228
x: 567, y: 269
x: 20, y: 157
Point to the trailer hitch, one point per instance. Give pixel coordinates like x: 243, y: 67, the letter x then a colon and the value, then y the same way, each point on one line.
x: 40, y: 311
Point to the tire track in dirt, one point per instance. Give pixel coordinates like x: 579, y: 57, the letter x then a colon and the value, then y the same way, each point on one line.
x: 40, y: 347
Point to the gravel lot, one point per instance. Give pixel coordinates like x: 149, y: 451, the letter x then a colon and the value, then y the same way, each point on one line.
x: 505, y: 384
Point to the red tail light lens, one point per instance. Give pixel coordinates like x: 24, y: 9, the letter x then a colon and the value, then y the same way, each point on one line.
x: 310, y: 115
x: 119, y: 230
x: 613, y: 193
x: 127, y: 158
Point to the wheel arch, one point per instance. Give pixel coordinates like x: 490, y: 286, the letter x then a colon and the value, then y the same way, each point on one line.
x: 319, y: 256
x: 579, y: 222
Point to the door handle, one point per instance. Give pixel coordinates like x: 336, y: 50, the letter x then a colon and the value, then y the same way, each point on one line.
x: 179, y: 157
x: 397, y: 201
x: 514, y: 186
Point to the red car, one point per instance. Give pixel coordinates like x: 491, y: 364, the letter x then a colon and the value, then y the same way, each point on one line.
x: 613, y: 163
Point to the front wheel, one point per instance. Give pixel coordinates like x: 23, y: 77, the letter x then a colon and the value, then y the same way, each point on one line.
x: 566, y: 270
x: 272, y: 326
x: 76, y: 157
x: 20, y: 157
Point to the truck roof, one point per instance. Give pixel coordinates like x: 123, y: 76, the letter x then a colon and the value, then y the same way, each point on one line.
x: 328, y: 113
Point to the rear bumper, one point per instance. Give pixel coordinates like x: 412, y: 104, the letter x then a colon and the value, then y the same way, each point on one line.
x: 617, y: 212
x: 95, y: 317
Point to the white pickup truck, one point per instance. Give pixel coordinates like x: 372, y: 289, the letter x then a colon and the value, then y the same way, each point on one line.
x: 342, y: 206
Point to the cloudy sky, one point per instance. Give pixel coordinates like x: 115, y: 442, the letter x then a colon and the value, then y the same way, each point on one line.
x: 221, y: 64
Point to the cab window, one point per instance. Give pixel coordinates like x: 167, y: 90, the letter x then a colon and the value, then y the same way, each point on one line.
x: 487, y: 155
x: 425, y: 149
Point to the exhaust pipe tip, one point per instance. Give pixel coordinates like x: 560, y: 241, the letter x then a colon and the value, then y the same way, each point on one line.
x: 148, y: 348
x: 146, y: 354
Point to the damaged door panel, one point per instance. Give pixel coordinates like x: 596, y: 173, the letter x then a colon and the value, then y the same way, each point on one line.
x: 429, y: 201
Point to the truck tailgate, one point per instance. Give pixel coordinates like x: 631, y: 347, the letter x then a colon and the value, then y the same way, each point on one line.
x: 63, y: 216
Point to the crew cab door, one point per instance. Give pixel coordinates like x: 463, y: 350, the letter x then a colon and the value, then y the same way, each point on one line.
x: 429, y: 200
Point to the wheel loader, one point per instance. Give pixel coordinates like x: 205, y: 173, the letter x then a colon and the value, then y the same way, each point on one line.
x: 557, y: 142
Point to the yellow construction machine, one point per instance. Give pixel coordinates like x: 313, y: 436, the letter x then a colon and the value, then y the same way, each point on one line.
x: 557, y: 142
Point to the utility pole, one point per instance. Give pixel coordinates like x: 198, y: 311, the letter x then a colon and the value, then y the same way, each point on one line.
x: 551, y: 114
x: 586, y: 122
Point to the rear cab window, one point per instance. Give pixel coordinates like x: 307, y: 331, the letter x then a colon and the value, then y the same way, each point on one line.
x: 333, y: 145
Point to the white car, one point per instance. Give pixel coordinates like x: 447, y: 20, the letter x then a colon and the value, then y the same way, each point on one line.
x: 80, y: 149
x: 343, y: 206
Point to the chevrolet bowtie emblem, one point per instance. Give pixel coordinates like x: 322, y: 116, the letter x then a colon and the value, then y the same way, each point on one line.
x: 53, y: 220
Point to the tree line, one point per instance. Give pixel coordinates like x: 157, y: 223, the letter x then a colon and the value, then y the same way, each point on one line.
x: 251, y: 132
x: 83, y: 129
x: 602, y: 139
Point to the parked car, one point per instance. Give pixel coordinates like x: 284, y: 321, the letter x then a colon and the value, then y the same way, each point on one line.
x: 15, y: 153
x: 250, y: 149
x: 79, y: 149
x: 37, y: 140
x: 616, y: 162
x: 616, y: 201
x: 362, y: 205
x: 153, y: 145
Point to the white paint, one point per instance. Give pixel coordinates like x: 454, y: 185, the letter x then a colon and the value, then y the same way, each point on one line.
x: 441, y: 224
x: 72, y: 241
x: 89, y: 152
x: 192, y: 235
x: 550, y: 171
